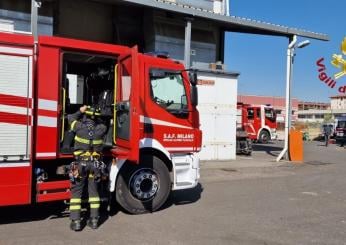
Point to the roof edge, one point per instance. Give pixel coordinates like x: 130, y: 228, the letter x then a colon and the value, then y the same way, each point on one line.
x: 267, y: 28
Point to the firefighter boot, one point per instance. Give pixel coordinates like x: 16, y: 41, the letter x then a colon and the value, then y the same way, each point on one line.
x: 76, y: 225
x: 93, y: 223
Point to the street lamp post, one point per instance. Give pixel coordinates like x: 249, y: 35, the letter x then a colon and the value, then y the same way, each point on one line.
x: 290, y: 58
x: 35, y: 4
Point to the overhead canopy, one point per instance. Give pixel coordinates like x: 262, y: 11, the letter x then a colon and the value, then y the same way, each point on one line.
x: 228, y: 23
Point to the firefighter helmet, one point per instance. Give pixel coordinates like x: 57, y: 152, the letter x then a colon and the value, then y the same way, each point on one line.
x: 92, y: 111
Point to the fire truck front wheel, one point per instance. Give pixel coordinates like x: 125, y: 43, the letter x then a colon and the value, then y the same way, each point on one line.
x: 264, y: 137
x: 144, y: 187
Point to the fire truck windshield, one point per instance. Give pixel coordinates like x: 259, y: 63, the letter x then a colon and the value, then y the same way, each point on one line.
x: 270, y: 114
x: 168, y: 91
x: 341, y: 124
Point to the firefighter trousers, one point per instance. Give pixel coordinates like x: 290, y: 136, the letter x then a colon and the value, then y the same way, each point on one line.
x: 76, y: 199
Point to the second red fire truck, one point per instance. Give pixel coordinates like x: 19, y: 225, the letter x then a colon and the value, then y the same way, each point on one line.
x: 259, y: 121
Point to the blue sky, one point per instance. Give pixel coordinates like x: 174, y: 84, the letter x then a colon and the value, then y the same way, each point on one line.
x: 261, y: 60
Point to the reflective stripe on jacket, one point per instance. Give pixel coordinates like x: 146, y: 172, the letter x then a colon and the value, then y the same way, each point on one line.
x: 89, y: 132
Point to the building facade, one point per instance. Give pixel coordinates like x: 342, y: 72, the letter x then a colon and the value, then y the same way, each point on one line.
x: 319, y: 112
x: 303, y: 105
x: 313, y: 111
x: 338, y: 102
x: 151, y: 29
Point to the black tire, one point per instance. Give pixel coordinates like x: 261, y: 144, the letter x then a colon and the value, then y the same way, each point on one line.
x: 144, y: 187
x: 249, y: 153
x: 264, y: 137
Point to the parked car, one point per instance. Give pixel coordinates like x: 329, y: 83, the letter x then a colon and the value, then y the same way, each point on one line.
x: 340, y: 130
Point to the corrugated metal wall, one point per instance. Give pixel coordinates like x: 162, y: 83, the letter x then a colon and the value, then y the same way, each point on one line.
x: 217, y: 95
x: 15, y: 137
x: 167, y: 33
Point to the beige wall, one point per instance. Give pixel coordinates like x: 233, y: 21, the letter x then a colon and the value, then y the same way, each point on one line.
x: 338, y: 103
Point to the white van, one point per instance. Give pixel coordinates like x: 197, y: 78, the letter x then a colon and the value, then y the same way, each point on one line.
x: 340, y: 130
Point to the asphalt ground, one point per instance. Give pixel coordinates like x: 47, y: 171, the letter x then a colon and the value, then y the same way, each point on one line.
x: 253, y: 200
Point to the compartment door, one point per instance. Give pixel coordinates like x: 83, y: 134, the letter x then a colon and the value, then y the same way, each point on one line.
x: 47, y: 101
x: 127, y: 107
x: 16, y: 108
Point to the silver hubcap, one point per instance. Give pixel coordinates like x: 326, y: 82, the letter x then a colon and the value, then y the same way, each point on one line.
x: 144, y: 184
x: 264, y: 137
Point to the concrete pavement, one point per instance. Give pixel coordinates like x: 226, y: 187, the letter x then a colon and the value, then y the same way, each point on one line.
x: 249, y: 201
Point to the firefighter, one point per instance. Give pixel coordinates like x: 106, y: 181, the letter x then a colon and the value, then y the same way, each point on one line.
x: 87, y: 169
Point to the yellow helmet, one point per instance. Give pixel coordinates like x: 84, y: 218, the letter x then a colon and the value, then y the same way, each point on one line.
x: 92, y: 111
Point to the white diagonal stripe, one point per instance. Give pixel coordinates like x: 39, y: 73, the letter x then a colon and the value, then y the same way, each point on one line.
x: 149, y: 120
x: 15, y: 109
x: 10, y: 50
x: 14, y: 164
x: 47, y: 121
x: 49, y: 105
x: 179, y: 148
x: 46, y: 154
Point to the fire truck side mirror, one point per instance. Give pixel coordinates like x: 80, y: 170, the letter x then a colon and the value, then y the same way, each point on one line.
x: 193, y: 78
x: 194, y: 95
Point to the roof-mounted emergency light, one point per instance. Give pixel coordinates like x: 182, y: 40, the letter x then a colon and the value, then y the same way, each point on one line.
x: 159, y: 54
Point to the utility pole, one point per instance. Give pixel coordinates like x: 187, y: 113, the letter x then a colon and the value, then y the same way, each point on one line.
x: 288, y: 117
x: 187, y: 45
x: 290, y: 52
x: 35, y: 4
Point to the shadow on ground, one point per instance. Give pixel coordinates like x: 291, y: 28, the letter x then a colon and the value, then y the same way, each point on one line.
x: 318, y: 163
x: 270, y: 148
x: 19, y: 214
x: 53, y: 210
x: 183, y: 197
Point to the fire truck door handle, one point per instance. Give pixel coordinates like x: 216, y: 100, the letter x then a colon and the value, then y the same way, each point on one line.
x: 121, y: 119
x: 121, y: 107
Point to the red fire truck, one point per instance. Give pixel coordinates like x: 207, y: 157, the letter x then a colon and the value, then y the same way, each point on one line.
x: 259, y: 121
x: 149, y: 105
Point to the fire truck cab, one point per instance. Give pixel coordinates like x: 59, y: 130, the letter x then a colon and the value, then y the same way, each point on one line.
x: 147, y: 102
x: 259, y: 121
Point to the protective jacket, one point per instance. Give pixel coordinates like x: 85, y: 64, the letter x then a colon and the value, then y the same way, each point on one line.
x: 86, y: 170
x: 89, y: 132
